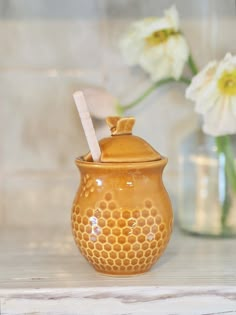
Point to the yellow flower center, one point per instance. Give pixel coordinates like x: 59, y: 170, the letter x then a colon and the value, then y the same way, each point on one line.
x: 227, y: 82
x: 159, y: 37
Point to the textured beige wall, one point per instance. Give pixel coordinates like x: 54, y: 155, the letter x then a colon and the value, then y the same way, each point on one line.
x: 48, y: 49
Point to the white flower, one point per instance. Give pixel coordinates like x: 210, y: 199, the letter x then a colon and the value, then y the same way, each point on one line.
x: 100, y: 102
x: 157, y: 45
x: 214, y: 91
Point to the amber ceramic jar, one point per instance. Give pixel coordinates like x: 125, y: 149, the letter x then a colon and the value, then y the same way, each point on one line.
x: 122, y: 216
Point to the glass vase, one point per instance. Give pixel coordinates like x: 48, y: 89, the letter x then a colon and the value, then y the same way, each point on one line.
x: 207, y: 200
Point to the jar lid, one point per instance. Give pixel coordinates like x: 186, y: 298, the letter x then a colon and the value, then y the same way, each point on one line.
x: 122, y: 146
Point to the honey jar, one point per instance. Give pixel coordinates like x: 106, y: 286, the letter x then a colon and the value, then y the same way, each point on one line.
x: 122, y: 215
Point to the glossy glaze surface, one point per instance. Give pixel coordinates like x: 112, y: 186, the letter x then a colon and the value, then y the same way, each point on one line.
x: 121, y: 217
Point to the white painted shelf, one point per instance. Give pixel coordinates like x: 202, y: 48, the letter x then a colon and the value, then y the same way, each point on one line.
x: 42, y: 272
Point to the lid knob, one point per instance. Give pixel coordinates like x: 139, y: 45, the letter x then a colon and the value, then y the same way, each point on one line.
x: 120, y: 125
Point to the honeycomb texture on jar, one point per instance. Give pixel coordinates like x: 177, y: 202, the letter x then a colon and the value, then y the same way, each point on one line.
x: 117, y: 240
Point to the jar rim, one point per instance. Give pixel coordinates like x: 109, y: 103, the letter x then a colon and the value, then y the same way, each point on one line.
x: 79, y: 161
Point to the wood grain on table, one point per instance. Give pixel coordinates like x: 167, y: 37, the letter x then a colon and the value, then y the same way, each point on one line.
x: 42, y: 272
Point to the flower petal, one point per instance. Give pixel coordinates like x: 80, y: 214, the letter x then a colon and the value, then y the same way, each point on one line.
x: 172, y: 16
x: 200, y: 81
x: 100, y: 102
x: 218, y: 108
x: 207, y: 99
x: 147, y: 26
x: 233, y: 104
x: 153, y: 61
x: 166, y: 59
x: 131, y: 46
x: 178, y: 52
x: 220, y: 120
x: 227, y: 64
x: 133, y: 42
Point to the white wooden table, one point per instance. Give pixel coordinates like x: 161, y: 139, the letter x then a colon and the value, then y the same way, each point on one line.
x: 42, y: 272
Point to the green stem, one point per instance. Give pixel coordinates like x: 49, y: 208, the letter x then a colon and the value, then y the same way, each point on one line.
x: 122, y: 108
x: 184, y: 80
x: 224, y: 147
x: 147, y: 92
x: 225, y: 208
x: 192, y: 65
